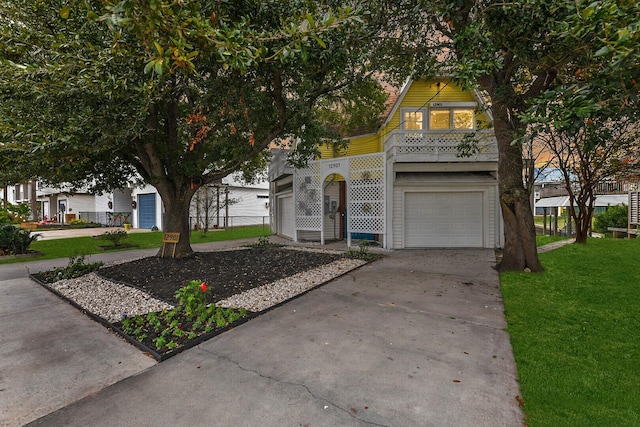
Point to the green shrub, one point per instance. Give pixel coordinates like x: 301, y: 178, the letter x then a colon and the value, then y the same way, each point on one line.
x: 191, y: 318
x: 75, y: 268
x: 115, y: 237
x: 362, y: 253
x: 78, y: 221
x: 14, y: 214
x: 614, y: 216
x: 14, y: 240
x: 4, y: 216
x: 263, y: 242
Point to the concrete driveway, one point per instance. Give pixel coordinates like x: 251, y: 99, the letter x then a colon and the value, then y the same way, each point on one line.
x: 415, y: 339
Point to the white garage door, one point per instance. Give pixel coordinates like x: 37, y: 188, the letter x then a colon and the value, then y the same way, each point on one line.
x: 287, y: 217
x: 443, y: 220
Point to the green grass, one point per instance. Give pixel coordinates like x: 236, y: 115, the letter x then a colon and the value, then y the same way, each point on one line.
x: 543, y: 240
x: 65, y: 248
x: 575, y: 332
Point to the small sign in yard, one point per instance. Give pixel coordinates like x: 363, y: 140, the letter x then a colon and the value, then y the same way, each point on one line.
x: 171, y: 238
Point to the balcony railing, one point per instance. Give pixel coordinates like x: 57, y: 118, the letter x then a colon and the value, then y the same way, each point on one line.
x: 601, y: 188
x: 430, y: 146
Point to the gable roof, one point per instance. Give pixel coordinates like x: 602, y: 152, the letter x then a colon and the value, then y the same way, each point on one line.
x: 397, y: 99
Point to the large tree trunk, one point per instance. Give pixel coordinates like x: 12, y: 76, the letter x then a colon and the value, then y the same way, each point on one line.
x: 520, y: 251
x: 176, y: 200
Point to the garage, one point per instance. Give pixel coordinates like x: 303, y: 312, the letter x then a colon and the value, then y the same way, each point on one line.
x: 286, y: 217
x: 444, y: 219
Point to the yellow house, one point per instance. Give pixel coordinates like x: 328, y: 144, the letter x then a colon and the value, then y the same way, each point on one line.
x: 410, y: 184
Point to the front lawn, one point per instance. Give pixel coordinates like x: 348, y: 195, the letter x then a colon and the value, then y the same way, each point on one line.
x: 544, y: 240
x: 575, y: 331
x: 66, y: 248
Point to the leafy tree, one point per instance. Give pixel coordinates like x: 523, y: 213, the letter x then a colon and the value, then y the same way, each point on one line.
x: 514, y: 52
x: 584, y: 167
x: 176, y: 93
x: 614, y: 216
x: 589, y: 120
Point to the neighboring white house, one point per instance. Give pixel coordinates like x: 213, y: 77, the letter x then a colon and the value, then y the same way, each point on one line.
x: 232, y: 203
x: 63, y: 205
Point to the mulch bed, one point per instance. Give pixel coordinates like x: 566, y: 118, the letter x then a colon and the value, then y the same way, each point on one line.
x: 227, y: 273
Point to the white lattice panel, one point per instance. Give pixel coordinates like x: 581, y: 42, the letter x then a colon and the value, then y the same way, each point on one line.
x: 307, y: 192
x: 365, y: 181
x: 366, y: 196
x: 440, y: 143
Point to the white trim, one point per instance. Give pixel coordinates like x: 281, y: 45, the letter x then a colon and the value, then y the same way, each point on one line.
x: 403, y: 93
x: 425, y: 117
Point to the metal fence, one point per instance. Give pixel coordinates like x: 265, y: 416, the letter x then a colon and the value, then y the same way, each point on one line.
x: 116, y: 219
x: 228, y: 222
x: 109, y: 219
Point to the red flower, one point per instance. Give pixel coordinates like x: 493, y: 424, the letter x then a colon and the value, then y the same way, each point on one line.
x: 203, y: 286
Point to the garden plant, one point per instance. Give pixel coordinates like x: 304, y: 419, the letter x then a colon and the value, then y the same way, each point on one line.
x: 192, y: 317
x: 14, y: 240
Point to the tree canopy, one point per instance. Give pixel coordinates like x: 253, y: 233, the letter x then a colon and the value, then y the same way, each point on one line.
x: 177, y: 94
x: 516, y: 52
x: 180, y: 92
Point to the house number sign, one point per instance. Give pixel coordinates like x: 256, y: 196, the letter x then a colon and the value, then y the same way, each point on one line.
x: 334, y: 167
x: 170, y: 237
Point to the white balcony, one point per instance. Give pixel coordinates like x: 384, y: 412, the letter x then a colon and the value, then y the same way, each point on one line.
x: 440, y: 146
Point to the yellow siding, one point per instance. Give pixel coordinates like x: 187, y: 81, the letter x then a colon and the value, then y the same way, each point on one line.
x: 421, y: 93
x: 326, y: 151
x: 366, y: 144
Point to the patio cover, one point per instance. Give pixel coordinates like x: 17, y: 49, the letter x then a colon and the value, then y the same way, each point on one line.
x: 601, y: 201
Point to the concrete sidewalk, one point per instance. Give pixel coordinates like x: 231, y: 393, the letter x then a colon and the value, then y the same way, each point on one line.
x: 79, y: 232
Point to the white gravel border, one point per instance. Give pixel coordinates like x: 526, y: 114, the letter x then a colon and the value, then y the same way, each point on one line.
x: 107, y: 299
x: 263, y: 297
x: 111, y: 300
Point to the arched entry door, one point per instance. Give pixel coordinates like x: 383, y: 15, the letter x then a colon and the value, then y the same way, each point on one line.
x: 334, y: 207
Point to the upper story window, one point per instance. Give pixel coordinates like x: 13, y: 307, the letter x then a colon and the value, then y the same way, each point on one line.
x: 441, y: 116
x: 413, y: 120
x: 463, y: 118
x: 439, y: 119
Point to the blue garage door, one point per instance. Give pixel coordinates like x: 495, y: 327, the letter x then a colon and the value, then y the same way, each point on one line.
x: 146, y: 210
